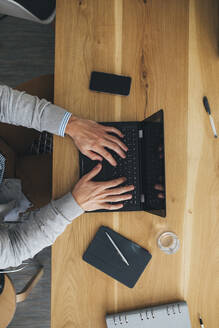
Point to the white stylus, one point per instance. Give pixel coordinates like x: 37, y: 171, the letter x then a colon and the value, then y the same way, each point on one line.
x: 118, y: 250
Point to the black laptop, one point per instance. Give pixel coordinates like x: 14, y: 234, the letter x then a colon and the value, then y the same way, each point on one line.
x: 144, y: 165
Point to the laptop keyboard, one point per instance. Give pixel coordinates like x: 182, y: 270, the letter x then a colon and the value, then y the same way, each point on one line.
x: 149, y: 159
x: 128, y: 167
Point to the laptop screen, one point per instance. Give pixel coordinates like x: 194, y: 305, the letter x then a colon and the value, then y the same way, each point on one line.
x: 153, y: 165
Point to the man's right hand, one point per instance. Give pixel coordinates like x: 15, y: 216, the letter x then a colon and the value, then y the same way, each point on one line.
x: 91, y: 195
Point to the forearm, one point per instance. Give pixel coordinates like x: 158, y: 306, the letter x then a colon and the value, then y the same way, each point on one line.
x: 39, y: 231
x: 19, y: 108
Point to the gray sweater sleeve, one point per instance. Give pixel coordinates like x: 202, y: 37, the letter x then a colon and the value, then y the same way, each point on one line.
x: 45, y: 225
x: 19, y: 108
x: 40, y: 230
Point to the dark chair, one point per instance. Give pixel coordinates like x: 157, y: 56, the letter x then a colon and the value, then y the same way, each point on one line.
x: 40, y: 11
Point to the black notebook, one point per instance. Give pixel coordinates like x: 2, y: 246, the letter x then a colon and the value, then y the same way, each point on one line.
x: 117, y: 256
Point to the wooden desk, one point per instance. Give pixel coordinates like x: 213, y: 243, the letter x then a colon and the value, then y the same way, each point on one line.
x: 169, y: 48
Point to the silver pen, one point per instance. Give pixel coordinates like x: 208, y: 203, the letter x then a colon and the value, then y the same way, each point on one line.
x: 118, y: 250
x: 201, y: 322
x: 208, y: 110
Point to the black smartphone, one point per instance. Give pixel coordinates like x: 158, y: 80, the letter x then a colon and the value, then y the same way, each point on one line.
x: 110, y: 83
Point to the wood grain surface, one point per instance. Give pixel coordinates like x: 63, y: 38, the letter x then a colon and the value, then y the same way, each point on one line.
x: 7, y: 303
x: 201, y: 221
x: 173, y: 60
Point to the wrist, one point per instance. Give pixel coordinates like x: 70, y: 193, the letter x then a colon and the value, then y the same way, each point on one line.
x: 77, y: 199
x: 71, y: 126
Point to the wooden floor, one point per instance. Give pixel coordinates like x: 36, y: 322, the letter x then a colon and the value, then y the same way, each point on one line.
x: 35, y: 310
x: 26, y: 50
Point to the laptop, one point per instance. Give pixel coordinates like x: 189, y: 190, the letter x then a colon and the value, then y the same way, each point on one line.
x: 144, y: 165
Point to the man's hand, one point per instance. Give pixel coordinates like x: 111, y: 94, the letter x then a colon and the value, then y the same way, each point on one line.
x: 91, y: 139
x: 160, y: 188
x: 91, y: 195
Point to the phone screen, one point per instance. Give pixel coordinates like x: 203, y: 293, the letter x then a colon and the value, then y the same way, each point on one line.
x: 110, y: 83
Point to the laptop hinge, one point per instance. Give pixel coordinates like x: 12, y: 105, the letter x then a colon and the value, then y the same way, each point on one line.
x: 142, y: 198
x: 140, y: 134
